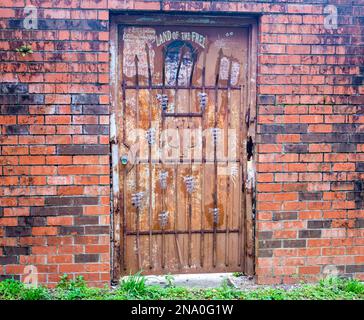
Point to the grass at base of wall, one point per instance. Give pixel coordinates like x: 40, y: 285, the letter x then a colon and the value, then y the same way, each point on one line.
x: 135, y: 288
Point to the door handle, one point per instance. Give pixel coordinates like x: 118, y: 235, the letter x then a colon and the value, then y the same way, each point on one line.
x: 124, y: 159
x: 127, y: 159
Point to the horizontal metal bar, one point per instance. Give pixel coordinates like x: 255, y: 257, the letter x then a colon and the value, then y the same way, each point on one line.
x: 187, y: 161
x: 160, y: 87
x: 181, y: 115
x: 155, y: 232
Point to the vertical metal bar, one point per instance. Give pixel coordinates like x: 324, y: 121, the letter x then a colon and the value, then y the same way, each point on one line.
x: 242, y: 175
x: 162, y: 165
x: 149, y: 68
x: 194, y: 59
x: 228, y: 203
x: 215, y: 158
x: 190, y: 153
x: 203, y: 163
x: 180, y: 64
x: 150, y: 217
x: 189, y: 226
x: 123, y: 211
x: 176, y: 175
x: 137, y: 220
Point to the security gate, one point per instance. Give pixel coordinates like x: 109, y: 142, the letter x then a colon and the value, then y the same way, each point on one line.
x: 181, y: 152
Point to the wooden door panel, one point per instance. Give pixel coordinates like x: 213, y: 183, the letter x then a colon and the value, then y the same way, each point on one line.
x: 181, y: 181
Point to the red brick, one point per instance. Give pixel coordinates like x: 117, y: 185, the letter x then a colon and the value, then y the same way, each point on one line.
x: 60, y: 221
x: 44, y: 231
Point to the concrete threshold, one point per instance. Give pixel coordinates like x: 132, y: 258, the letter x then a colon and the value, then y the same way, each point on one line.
x: 200, y: 280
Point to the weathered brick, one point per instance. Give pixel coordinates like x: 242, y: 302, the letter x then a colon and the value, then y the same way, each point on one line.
x: 296, y: 148
x: 18, y: 231
x: 345, y: 127
x: 303, y: 196
x: 82, y: 149
x: 95, y: 109
x: 9, y: 276
x: 30, y: 99
x: 268, y: 244
x: 55, y: 211
x: 85, y: 99
x: 71, y: 230
x: 294, y: 243
x: 354, y: 268
x: 309, y: 234
x: 286, y: 128
x: 284, y: 215
x: 266, y: 99
x: 15, y: 109
x: 319, y: 224
x: 15, y: 251
x: 359, y: 166
x: 265, y: 253
x: 96, y: 129
x: 17, y: 129
x: 265, y: 235
x: 86, y: 220
x: 97, y: 230
x: 359, y: 223
x: 32, y: 221
x: 11, y: 88
x: 71, y: 201
x: 85, y: 258
x: 358, y: 194
x: 343, y: 147
x: 8, y: 260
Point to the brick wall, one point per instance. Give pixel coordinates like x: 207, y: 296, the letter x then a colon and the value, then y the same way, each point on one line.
x: 54, y: 123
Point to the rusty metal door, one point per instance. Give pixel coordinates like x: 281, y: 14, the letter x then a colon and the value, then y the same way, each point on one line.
x: 182, y: 155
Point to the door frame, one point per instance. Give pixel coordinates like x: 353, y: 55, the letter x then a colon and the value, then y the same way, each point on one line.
x: 249, y: 105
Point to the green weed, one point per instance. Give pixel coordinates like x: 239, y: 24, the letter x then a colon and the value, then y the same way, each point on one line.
x: 135, y: 287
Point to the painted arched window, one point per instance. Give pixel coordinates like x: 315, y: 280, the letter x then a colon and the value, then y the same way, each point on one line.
x: 179, y: 58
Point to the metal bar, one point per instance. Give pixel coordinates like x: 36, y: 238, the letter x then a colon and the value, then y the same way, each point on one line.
x: 159, y: 87
x: 150, y: 217
x: 149, y: 68
x: 228, y: 203
x: 137, y: 217
x: 163, y: 72
x: 171, y: 161
x: 123, y: 211
x: 214, y: 245
x: 183, y: 115
x: 202, y: 223
x: 190, y: 194
x: 242, y: 175
x: 180, y: 64
x: 194, y: 58
x: 162, y: 165
x: 163, y: 239
x: 158, y: 232
x: 189, y: 226
x: 178, y: 249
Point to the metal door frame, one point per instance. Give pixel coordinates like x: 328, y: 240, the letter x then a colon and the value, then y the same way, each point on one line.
x: 249, y: 105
